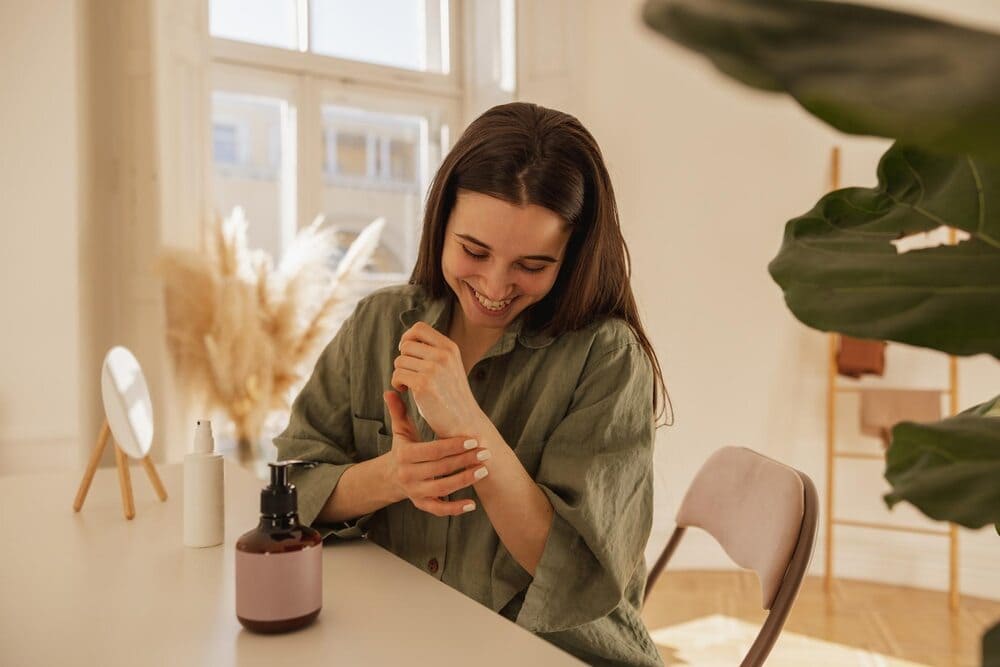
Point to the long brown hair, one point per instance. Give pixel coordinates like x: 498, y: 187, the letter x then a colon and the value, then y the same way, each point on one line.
x: 527, y: 154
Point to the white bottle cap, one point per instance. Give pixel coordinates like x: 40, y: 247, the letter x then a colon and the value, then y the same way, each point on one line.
x: 203, y: 441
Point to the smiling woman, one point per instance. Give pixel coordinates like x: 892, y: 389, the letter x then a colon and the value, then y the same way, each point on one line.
x: 521, y: 380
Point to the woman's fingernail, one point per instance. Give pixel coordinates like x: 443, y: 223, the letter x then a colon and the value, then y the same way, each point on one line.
x: 471, y: 444
x: 484, y: 455
x: 482, y: 472
x: 469, y: 507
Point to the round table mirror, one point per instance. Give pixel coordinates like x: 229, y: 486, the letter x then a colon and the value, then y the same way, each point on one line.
x: 126, y: 402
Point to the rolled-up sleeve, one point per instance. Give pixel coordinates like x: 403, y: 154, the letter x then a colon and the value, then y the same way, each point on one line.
x: 320, y: 429
x: 596, y: 470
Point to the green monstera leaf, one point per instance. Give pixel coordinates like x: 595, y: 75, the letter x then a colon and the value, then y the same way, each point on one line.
x: 931, y: 86
x: 840, y: 271
x: 872, y: 71
x: 861, y: 69
x: 950, y: 470
x: 991, y: 647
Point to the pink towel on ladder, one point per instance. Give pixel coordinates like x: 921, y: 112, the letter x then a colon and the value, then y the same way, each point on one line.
x: 881, y: 409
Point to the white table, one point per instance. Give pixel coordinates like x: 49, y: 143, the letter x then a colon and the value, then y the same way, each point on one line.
x: 94, y: 589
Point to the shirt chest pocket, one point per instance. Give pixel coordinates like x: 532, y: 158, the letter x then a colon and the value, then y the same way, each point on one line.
x: 370, y: 437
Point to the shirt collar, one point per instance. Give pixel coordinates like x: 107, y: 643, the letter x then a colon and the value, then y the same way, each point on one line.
x: 437, y: 313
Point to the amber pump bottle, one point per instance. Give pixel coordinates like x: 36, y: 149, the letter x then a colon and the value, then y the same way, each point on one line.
x: 279, y: 568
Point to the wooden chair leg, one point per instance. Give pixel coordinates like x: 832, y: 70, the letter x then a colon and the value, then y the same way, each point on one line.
x: 125, y: 482
x: 95, y: 458
x: 161, y: 492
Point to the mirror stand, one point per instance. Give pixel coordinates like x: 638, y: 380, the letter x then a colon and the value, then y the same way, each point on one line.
x: 124, y: 479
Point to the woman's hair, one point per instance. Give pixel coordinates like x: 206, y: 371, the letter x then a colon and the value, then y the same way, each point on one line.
x: 527, y: 154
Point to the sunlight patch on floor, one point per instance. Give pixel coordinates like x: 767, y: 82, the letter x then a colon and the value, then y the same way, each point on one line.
x: 722, y: 641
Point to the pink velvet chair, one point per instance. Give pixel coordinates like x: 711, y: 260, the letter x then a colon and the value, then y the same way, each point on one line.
x: 763, y: 514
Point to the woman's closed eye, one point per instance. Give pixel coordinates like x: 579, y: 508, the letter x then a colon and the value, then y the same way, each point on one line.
x: 482, y: 257
x: 472, y: 254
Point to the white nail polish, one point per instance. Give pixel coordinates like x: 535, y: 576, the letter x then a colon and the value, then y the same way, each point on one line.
x: 482, y: 472
x: 484, y: 455
x: 471, y: 444
x: 469, y: 507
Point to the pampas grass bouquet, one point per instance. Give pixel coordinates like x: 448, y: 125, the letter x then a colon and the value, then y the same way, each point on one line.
x: 243, y: 334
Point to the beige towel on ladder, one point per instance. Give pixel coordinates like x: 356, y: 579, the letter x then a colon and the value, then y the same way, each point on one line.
x: 881, y: 409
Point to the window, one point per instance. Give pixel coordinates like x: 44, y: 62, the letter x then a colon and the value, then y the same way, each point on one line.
x: 377, y: 162
x: 336, y: 108
x: 253, y: 157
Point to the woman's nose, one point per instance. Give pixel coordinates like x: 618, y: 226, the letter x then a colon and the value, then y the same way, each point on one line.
x: 497, y: 283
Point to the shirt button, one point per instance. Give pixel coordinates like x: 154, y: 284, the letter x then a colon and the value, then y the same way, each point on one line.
x: 432, y: 565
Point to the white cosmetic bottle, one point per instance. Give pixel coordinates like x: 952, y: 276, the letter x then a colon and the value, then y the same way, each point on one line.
x: 204, y: 510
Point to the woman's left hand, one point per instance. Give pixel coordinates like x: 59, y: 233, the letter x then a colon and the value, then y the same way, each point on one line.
x: 430, y: 365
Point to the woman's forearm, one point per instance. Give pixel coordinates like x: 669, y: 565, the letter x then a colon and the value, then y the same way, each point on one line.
x: 362, y: 489
x: 519, y: 511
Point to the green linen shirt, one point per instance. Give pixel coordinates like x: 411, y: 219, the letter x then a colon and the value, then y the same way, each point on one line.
x: 576, y: 409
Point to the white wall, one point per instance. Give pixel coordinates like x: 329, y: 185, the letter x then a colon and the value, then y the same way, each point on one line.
x: 39, y: 198
x: 706, y: 173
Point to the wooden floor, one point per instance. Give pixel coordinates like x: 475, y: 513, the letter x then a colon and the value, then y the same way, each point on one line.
x: 903, y: 622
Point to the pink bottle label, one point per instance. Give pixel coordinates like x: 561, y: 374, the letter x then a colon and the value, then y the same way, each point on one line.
x: 279, y: 586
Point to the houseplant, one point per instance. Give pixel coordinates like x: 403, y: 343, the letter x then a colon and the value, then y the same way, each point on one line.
x: 931, y: 86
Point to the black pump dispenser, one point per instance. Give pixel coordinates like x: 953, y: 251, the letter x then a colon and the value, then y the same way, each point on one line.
x: 279, y: 498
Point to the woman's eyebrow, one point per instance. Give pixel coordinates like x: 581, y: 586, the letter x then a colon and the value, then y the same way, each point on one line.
x: 473, y: 239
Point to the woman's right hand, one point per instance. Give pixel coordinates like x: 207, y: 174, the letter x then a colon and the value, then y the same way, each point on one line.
x: 426, y: 472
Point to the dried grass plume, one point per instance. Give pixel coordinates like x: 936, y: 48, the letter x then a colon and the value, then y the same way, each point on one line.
x: 241, y: 333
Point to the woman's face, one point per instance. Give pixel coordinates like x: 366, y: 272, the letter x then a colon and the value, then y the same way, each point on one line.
x: 499, y: 258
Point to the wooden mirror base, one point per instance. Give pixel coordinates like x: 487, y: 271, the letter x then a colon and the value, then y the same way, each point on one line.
x: 124, y: 479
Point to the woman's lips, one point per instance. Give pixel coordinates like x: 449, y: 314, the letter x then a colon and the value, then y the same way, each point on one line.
x: 483, y: 309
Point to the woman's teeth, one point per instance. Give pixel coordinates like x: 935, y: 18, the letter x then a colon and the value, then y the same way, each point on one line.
x: 491, y: 304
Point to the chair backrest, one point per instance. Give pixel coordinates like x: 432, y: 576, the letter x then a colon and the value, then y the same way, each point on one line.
x: 764, y: 515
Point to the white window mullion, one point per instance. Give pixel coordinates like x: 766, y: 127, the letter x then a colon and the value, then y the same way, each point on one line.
x: 289, y: 171
x: 371, y: 155
x: 304, y: 26
x: 391, y: 79
x: 487, y: 59
x: 310, y: 141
